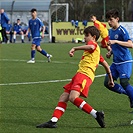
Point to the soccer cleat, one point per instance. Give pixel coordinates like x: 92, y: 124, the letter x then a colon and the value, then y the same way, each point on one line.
x: 48, y: 124
x: 49, y: 56
x: 31, y: 61
x: 100, y: 119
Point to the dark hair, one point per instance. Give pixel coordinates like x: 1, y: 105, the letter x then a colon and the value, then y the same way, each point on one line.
x: 92, y: 15
x: 112, y: 13
x: 18, y: 19
x: 33, y: 10
x: 93, y: 31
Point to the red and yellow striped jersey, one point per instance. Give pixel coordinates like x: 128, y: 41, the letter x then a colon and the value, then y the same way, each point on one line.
x: 102, y: 28
x: 90, y: 61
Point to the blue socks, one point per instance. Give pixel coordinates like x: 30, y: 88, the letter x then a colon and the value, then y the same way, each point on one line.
x: 129, y: 91
x: 44, y: 52
x: 118, y: 89
x: 33, y: 54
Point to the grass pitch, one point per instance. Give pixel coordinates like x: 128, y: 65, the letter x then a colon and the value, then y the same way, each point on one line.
x: 30, y: 92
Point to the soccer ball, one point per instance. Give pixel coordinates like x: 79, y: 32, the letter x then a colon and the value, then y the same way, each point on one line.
x: 76, y: 41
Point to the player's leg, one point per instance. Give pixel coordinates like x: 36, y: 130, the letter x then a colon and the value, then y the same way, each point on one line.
x: 125, y: 75
x: 14, y: 36
x: 117, y: 88
x: 58, y: 112
x: 11, y: 33
x: 80, y: 103
x: 43, y: 52
x: 33, y: 52
x: 4, y: 35
x: 80, y: 87
x: 22, y: 36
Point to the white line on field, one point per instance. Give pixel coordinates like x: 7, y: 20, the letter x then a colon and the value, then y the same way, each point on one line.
x: 39, y: 61
x: 42, y: 82
x: 57, y: 62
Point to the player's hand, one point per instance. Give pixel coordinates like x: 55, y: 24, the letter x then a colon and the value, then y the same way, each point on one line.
x: 111, y: 84
x: 110, y: 42
x: 26, y: 34
x: 42, y: 35
x: 71, y: 52
x: 108, y: 55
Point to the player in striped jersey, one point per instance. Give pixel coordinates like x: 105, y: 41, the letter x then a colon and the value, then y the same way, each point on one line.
x: 103, y: 31
x: 80, y: 83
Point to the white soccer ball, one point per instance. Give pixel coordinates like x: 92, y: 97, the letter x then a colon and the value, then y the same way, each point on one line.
x: 76, y: 41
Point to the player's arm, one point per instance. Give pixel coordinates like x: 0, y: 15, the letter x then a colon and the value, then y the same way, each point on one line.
x: 43, y: 30
x: 107, y: 69
x: 127, y: 44
x: 6, y: 17
x: 28, y: 30
x: 84, y: 47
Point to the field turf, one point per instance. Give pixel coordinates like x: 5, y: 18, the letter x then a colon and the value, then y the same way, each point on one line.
x: 30, y: 92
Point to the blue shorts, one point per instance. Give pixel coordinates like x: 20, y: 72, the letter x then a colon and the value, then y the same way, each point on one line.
x: 121, y: 71
x: 36, y: 41
x: 18, y: 32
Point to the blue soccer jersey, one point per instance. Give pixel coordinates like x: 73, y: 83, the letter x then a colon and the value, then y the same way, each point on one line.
x: 35, y: 27
x: 17, y: 28
x: 121, y: 54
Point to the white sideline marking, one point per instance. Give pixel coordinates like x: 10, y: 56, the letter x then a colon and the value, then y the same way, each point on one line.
x: 42, y: 82
x: 17, y: 60
x: 58, y: 62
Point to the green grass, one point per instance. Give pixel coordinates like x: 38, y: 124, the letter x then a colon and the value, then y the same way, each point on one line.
x: 23, y: 106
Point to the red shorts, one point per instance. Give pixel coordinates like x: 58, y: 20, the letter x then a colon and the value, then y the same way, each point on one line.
x: 80, y: 83
x: 104, y: 42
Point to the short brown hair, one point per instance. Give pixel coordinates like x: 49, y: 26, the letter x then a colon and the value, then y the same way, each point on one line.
x: 93, y: 31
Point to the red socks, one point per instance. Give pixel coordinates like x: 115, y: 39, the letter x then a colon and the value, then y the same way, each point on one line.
x: 59, y: 110
x: 80, y: 103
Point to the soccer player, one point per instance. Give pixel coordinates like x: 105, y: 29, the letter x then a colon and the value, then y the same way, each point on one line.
x: 4, y: 23
x: 9, y: 30
x: 103, y: 31
x: 35, y: 26
x: 121, y: 67
x: 18, y: 30
x: 80, y: 83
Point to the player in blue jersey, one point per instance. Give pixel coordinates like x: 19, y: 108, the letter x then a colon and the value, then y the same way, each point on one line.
x: 18, y: 30
x: 121, y: 67
x: 35, y: 26
x: 4, y: 23
x: 9, y: 30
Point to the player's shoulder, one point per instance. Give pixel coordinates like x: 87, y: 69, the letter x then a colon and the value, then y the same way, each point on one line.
x: 38, y: 19
x: 122, y: 29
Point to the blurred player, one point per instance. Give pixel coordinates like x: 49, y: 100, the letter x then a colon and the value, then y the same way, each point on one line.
x: 18, y: 30
x: 9, y: 30
x: 80, y: 83
x: 35, y: 26
x: 121, y: 67
x: 103, y: 31
x: 4, y: 23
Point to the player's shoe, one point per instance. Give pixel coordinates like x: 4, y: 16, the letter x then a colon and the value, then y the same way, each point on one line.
x: 31, y: 61
x: 100, y: 119
x: 48, y: 124
x: 49, y: 57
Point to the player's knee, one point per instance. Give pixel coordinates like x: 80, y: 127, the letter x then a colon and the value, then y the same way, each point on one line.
x: 106, y: 82
x: 124, y: 82
x: 72, y: 98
